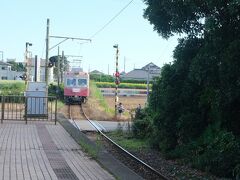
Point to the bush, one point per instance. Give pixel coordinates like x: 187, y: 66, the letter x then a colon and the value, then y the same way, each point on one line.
x: 101, y: 77
x: 220, y: 156
x: 10, y: 87
x: 216, y: 151
x: 140, y: 128
x: 141, y: 125
x: 54, y: 91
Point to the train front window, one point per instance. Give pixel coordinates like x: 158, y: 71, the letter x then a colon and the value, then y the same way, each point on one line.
x: 82, y: 82
x: 71, y: 82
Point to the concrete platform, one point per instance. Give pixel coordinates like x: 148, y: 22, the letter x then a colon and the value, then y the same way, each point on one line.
x: 41, y: 150
x: 113, y: 165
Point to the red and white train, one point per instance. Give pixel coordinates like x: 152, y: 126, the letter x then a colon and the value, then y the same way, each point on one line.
x: 76, y: 86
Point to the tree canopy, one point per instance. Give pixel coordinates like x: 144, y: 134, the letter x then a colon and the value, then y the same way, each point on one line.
x: 191, y: 17
x: 64, y: 65
x: 16, y: 66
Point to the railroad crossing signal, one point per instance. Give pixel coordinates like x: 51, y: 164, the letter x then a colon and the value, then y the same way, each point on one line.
x: 117, y: 79
x: 117, y: 74
x: 23, y: 77
x: 52, y: 61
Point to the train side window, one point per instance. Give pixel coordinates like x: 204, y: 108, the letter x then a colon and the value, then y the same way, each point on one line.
x: 82, y: 82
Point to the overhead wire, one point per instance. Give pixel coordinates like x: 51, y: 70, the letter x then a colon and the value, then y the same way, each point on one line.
x: 113, y: 18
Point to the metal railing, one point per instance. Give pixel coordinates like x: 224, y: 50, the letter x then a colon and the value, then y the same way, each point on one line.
x: 22, y: 108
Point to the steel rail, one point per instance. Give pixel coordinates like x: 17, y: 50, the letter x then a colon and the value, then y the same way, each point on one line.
x: 70, y: 117
x: 124, y: 150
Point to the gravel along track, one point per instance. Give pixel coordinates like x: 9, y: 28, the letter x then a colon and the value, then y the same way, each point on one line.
x: 129, y: 162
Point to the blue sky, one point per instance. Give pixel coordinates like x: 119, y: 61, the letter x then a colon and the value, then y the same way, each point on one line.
x: 25, y: 21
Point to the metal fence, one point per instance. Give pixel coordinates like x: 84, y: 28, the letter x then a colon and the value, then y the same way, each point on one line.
x: 26, y: 109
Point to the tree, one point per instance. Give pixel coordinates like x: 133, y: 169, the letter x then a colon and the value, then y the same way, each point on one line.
x: 101, y: 77
x: 212, y: 28
x: 54, y: 63
x: 191, y: 17
x: 16, y: 66
x: 197, y: 97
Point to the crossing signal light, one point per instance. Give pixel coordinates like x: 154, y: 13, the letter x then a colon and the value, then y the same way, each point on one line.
x: 117, y: 74
x: 50, y: 64
x: 23, y: 77
x: 52, y: 61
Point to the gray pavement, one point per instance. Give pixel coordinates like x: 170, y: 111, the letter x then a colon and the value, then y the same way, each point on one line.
x: 42, y: 150
x: 105, y: 126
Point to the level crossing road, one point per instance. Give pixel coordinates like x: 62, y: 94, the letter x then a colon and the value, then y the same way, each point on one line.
x: 105, y: 126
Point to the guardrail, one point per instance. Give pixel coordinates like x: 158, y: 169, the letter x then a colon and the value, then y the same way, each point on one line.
x: 22, y: 108
x: 124, y: 92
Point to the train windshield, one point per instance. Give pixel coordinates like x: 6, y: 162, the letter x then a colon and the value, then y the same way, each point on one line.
x: 71, y: 82
x: 82, y: 82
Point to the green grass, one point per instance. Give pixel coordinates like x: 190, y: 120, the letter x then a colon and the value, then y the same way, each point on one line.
x: 122, y: 85
x: 60, y: 104
x: 12, y: 87
x: 127, y: 141
x: 88, y: 149
x: 96, y: 93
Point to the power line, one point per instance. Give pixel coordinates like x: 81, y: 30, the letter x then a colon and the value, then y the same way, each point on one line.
x: 114, y: 17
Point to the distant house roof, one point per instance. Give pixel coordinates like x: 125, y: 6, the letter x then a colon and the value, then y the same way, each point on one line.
x: 96, y: 72
x: 151, y: 66
x: 122, y: 73
x: 150, y: 70
x: 136, y: 74
x: 4, y: 63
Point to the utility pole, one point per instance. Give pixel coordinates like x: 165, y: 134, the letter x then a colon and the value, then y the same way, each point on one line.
x: 47, y: 50
x: 58, y: 68
x: 35, y: 69
x: 124, y: 64
x: 62, y: 61
x: 27, y: 62
x: 148, y: 84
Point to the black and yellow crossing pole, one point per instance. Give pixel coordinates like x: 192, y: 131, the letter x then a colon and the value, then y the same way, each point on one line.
x: 117, y: 81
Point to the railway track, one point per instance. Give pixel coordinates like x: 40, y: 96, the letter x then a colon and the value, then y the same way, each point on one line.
x: 142, y: 165
x: 71, y: 115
